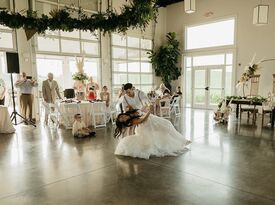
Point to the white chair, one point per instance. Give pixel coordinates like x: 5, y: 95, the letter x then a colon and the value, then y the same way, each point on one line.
x: 68, y: 112
x: 51, y: 115
x: 175, y: 106
x: 164, y: 108
x: 99, y: 114
x: 113, y: 112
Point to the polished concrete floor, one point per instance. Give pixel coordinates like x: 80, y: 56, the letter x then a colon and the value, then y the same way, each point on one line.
x: 226, y: 164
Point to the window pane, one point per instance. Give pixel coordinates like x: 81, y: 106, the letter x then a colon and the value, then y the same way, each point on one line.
x: 119, y: 53
x: 134, y: 79
x: 44, y: 8
x: 89, y: 36
x: 146, y: 44
x: 6, y: 40
x: 144, y: 56
x: 48, y: 44
x: 90, y: 48
x: 70, y: 46
x: 119, y: 78
x: 89, y: 5
x: 120, y: 66
x: 73, y: 34
x: 146, y: 67
x: 91, y: 67
x: 208, y: 60
x: 133, y: 67
x: 188, y: 61
x: 216, y: 78
x: 5, y: 4
x: 146, y: 79
x: 214, y: 34
x: 118, y: 40
x: 229, y: 59
x: 69, y: 2
x: 133, y: 54
x: 133, y: 42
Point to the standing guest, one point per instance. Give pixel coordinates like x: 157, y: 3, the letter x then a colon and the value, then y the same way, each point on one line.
x: 105, y: 95
x: 26, y: 98
x: 2, y: 91
x: 91, y: 89
x: 50, y: 89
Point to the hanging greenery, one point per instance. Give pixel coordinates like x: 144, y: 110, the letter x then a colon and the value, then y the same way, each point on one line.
x: 165, y: 60
x: 136, y: 14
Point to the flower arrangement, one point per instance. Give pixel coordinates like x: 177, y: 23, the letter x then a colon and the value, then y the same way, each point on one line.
x: 80, y: 75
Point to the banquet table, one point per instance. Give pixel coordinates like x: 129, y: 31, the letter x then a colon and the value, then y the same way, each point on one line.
x: 85, y: 108
x: 5, y: 121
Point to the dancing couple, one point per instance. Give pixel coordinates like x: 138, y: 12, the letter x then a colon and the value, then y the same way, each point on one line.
x: 152, y: 136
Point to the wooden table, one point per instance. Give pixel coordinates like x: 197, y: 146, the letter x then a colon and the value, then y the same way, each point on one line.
x: 239, y: 102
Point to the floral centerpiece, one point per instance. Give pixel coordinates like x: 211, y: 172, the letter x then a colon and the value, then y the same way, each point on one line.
x: 248, y: 73
x: 80, y: 75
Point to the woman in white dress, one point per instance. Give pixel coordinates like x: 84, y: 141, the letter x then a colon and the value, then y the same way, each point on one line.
x: 154, y: 136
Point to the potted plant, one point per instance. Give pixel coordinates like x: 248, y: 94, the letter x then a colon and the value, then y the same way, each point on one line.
x: 165, y: 60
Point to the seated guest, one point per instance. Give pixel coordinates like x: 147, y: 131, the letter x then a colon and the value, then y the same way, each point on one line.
x: 178, y: 91
x: 163, y: 91
x: 80, y: 129
x: 105, y: 95
x: 91, y: 89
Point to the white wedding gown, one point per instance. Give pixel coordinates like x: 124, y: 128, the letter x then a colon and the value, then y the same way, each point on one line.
x: 154, y: 137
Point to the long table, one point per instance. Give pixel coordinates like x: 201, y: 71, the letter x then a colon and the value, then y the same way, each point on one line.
x: 239, y: 102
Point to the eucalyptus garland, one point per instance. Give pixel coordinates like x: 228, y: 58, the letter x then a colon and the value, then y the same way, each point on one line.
x: 136, y: 14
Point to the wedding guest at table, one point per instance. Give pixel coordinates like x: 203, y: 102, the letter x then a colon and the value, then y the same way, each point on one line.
x: 25, y: 85
x: 163, y: 91
x: 91, y: 89
x: 105, y: 95
x: 80, y: 88
x: 2, y: 91
x: 80, y: 129
x: 50, y: 89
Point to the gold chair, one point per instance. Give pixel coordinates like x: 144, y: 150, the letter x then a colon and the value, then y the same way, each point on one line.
x: 254, y: 88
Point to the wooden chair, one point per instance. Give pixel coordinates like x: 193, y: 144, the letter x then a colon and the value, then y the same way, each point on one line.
x: 254, y: 88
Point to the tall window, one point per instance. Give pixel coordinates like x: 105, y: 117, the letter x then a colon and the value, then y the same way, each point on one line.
x: 75, y: 42
x: 220, y: 33
x: 7, y: 39
x: 130, y: 62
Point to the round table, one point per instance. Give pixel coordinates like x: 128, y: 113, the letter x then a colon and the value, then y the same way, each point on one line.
x: 5, y: 121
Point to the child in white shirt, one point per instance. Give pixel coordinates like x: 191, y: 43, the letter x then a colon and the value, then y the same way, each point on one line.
x: 80, y: 129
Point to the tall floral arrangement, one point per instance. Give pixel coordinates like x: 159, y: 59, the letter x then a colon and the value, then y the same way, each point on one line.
x: 80, y: 75
x: 249, y: 72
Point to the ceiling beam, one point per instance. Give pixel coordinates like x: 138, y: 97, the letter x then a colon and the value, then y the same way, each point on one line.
x: 164, y: 3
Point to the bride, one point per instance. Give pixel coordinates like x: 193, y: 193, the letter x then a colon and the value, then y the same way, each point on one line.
x: 154, y: 136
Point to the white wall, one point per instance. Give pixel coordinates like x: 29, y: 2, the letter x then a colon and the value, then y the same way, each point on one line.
x: 250, y: 38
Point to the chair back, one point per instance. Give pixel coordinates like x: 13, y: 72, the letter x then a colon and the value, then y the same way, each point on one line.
x: 254, y: 86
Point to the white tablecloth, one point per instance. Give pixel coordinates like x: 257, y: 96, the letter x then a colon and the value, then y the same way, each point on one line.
x: 86, y: 109
x: 5, y: 121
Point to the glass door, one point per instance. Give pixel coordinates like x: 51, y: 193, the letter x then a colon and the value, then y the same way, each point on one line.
x: 208, y: 86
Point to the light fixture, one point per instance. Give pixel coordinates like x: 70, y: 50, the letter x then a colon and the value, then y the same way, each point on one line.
x: 189, y: 6
x: 260, y: 14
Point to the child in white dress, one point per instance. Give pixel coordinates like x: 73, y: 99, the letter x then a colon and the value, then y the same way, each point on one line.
x: 80, y: 129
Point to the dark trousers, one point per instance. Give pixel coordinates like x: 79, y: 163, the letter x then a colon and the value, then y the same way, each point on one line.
x: 2, y: 102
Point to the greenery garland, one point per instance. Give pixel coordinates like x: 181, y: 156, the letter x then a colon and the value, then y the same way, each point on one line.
x: 137, y: 14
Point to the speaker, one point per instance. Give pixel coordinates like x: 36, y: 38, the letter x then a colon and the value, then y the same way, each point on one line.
x: 12, y: 62
x: 69, y: 93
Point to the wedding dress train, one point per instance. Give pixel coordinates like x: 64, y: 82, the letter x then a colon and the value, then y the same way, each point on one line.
x: 154, y: 137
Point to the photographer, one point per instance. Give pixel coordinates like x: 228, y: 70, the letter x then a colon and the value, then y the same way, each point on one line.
x: 26, y: 84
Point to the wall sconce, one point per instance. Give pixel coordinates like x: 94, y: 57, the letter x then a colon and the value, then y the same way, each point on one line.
x: 189, y: 6
x: 260, y: 14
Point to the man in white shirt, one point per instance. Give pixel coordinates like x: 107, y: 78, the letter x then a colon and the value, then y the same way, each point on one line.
x: 2, y: 91
x: 134, y: 99
x: 49, y: 89
x: 26, y: 98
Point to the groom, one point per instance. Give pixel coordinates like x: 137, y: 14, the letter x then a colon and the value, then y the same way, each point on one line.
x: 134, y: 99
